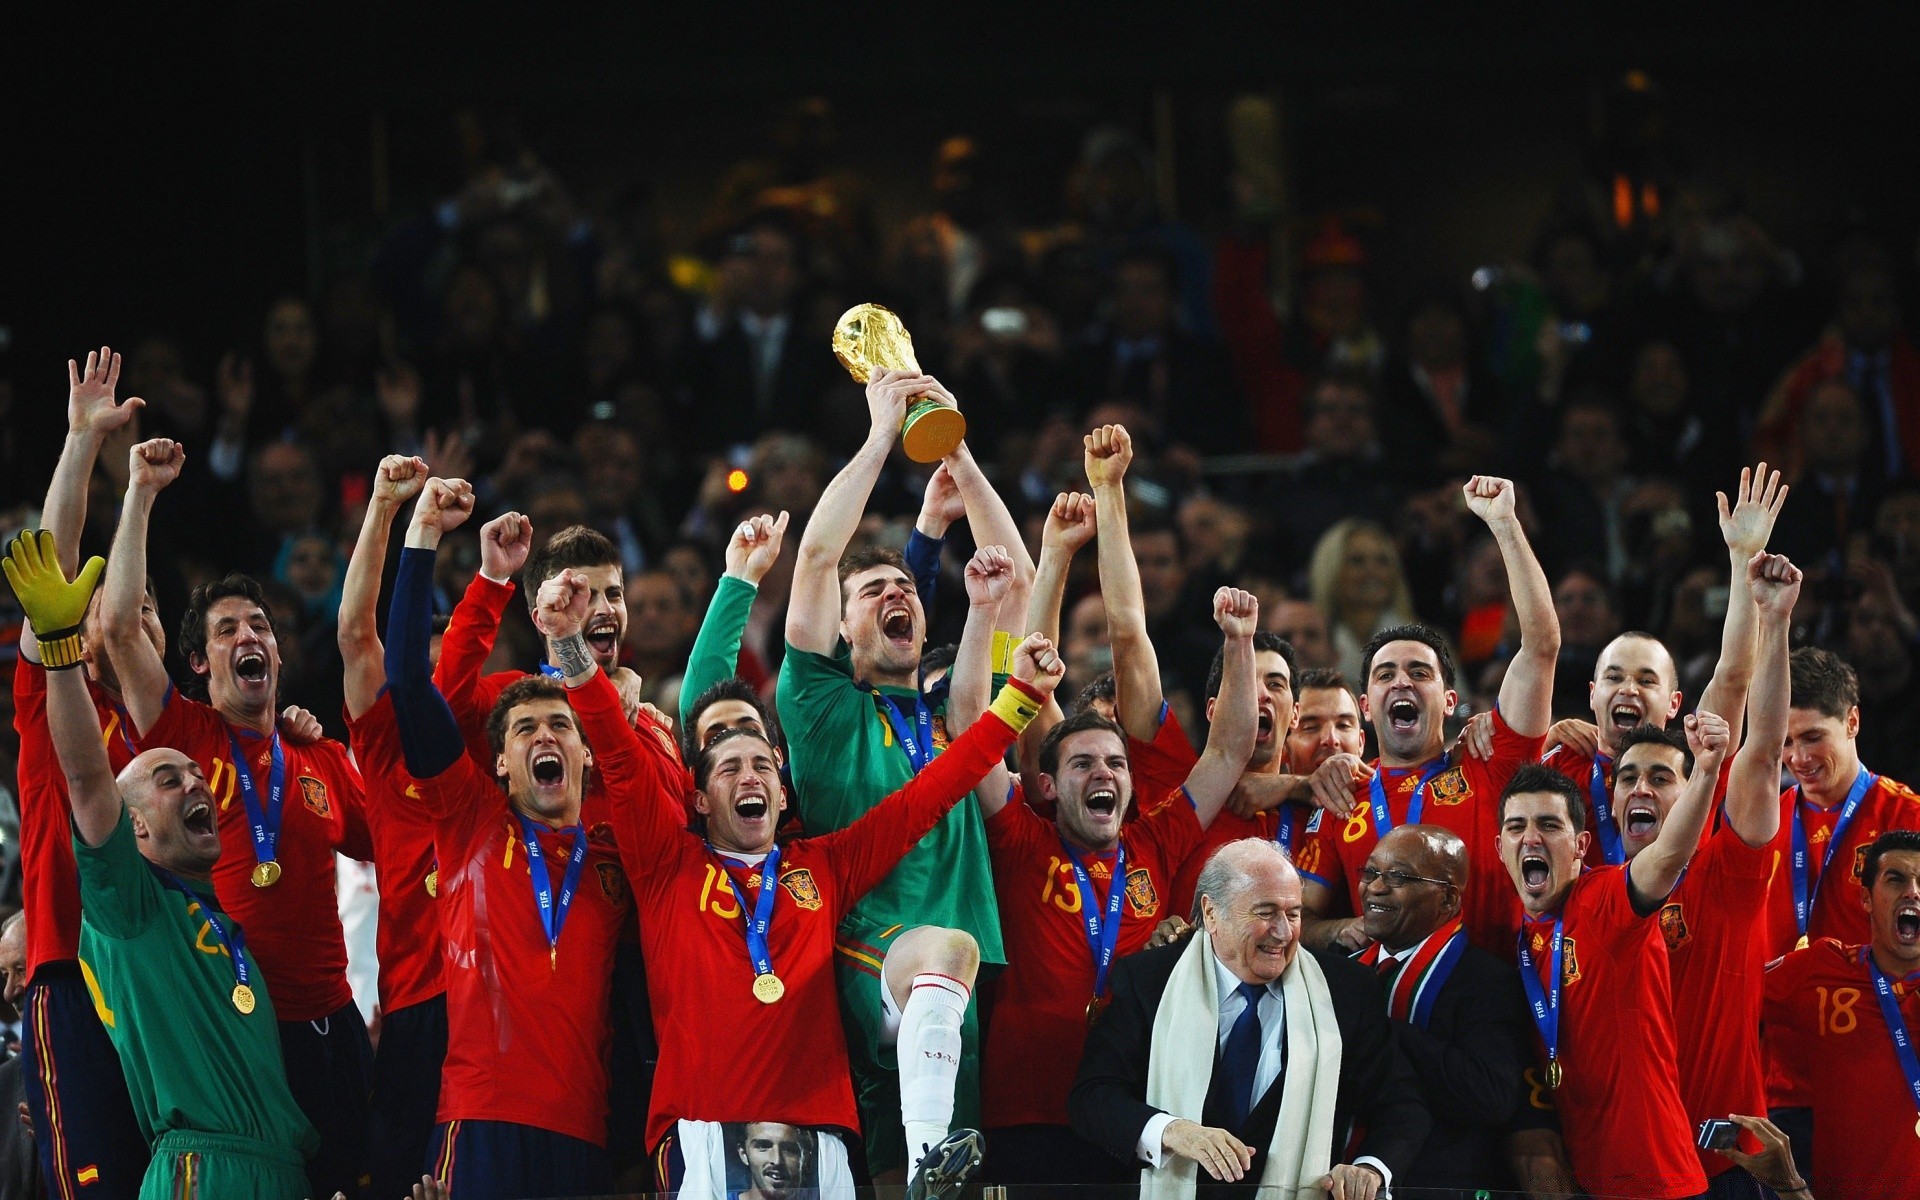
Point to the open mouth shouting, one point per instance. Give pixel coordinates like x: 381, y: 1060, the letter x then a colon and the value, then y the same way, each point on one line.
x: 1906, y: 924
x: 1536, y: 874
x: 1403, y: 715
x: 896, y: 623
x: 196, y: 817
x: 250, y: 666
x: 1264, y: 733
x: 750, y: 806
x: 603, y: 636
x: 1640, y: 821
x: 1625, y: 716
x: 1103, y: 802
x: 549, y: 770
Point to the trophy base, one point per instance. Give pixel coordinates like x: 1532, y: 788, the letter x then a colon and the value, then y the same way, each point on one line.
x: 931, y: 430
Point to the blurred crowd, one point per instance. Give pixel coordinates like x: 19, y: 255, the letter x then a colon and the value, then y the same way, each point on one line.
x: 1302, y: 433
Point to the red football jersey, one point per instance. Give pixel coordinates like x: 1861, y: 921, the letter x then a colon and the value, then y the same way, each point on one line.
x: 724, y: 1055
x: 1620, y: 1108
x: 293, y: 927
x: 1579, y: 768
x: 1822, y: 1000
x: 407, y: 942
x: 528, y: 1035
x: 1715, y: 932
x: 49, y: 887
x: 1163, y: 764
x: 1836, y: 894
x: 1464, y: 798
x: 1039, y: 1024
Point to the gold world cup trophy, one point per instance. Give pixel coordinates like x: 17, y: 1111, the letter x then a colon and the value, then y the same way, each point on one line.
x: 869, y: 340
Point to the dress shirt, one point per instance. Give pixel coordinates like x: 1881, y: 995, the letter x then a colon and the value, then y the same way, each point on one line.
x: 1273, y: 1060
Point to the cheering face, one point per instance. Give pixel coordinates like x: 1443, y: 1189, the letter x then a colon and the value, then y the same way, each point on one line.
x: 544, y: 760
x: 1540, y: 848
x: 1633, y: 685
x: 1276, y: 708
x: 1326, y: 723
x: 1092, y: 787
x: 742, y: 799
x: 242, y: 660
x: 1408, y: 701
x: 1402, y: 904
x: 776, y: 1158
x: 1646, y: 781
x: 1820, y: 753
x: 1893, y: 908
x: 883, y: 621
x: 173, y: 817
x: 1257, y: 931
x: 726, y: 714
x: 606, y: 625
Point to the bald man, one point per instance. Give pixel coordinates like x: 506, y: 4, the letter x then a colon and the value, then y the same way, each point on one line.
x: 190, y: 1015
x: 1201, y: 1098
x: 1459, y: 1013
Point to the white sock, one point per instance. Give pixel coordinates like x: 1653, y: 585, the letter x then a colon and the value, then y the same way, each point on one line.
x: 929, y: 1052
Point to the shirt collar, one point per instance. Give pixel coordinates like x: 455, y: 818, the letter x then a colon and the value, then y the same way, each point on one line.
x: 1226, y: 981
x: 1387, y: 955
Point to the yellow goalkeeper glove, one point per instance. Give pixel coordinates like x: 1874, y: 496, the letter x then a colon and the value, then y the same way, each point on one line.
x: 55, y: 607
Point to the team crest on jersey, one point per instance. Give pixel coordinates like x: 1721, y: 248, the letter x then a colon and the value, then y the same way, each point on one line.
x: 1449, y: 787
x: 1673, y: 926
x: 1141, y: 894
x: 1570, y: 969
x: 1860, y: 855
x: 315, y: 794
x: 613, y: 883
x: 800, y: 885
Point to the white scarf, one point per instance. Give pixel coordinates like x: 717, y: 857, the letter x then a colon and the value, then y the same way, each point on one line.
x: 1180, y: 1068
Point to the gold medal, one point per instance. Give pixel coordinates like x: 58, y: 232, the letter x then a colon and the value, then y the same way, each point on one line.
x: 1554, y: 1074
x: 1916, y: 1129
x: 1095, y: 1007
x: 266, y: 874
x: 243, y: 998
x: 1802, y: 943
x: 433, y: 882
x: 768, y: 989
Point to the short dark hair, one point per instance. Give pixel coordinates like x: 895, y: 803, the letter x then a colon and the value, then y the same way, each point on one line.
x: 1315, y: 679
x: 523, y: 690
x: 865, y: 559
x: 1898, y: 841
x: 1426, y: 635
x: 703, y: 761
x: 576, y: 546
x: 193, y: 622
x: 1103, y: 688
x: 1641, y: 735
x: 1533, y: 777
x: 1822, y: 681
x: 1080, y: 722
x: 1262, y: 640
x: 938, y: 658
x: 731, y: 688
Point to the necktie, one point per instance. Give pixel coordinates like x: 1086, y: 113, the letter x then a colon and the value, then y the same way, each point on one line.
x: 1387, y: 965
x: 1240, y: 1058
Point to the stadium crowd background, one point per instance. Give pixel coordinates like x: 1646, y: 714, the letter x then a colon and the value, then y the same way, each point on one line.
x: 1319, y: 305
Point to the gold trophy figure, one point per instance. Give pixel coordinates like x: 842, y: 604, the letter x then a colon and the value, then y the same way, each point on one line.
x: 869, y: 339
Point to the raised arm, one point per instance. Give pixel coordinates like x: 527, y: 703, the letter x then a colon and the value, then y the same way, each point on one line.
x: 1526, y: 695
x: 91, y: 416
x: 397, y: 480
x: 136, y: 660
x: 1745, y: 526
x: 1655, y: 872
x: 560, y: 613
x: 751, y: 550
x: 1236, y: 711
x: 1070, y: 525
x: 1136, y: 668
x: 429, y: 735
x: 992, y: 524
x: 813, y: 609
x: 970, y: 685
x: 1753, y: 790
x: 55, y: 609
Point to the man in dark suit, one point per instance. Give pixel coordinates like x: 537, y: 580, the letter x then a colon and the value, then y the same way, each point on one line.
x: 1249, y: 910
x: 1458, y: 1013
